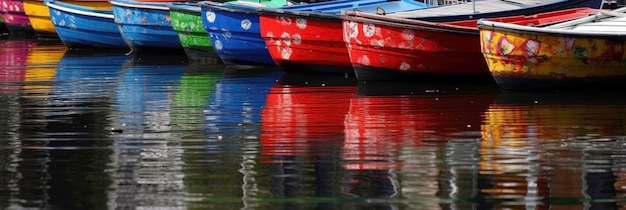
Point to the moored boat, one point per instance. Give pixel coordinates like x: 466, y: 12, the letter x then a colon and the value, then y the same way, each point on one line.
x: 84, y: 27
x: 386, y: 48
x: 187, y: 22
x: 308, y: 37
x: 39, y: 15
x: 585, y: 53
x: 146, y: 26
x: 13, y: 15
x: 233, y: 28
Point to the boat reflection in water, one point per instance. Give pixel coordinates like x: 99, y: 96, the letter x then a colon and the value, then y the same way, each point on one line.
x: 41, y: 66
x: 13, y: 55
x: 148, y: 156
x: 94, y: 72
x: 56, y: 116
x: 422, y: 134
x: 539, y: 146
x: 302, y: 127
x: 195, y: 88
x: 76, y: 117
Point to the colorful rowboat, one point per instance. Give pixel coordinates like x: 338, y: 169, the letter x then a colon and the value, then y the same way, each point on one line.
x: 585, y: 53
x: 384, y: 48
x: 308, y: 37
x: 146, y: 26
x: 233, y: 28
x: 39, y: 14
x: 187, y: 21
x: 13, y: 15
x: 84, y: 27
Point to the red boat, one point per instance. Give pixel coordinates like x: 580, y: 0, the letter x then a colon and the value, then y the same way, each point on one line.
x: 391, y: 48
x: 309, y: 44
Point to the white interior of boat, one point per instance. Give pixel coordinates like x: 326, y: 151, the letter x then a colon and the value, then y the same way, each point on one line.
x: 604, y: 22
x: 471, y: 7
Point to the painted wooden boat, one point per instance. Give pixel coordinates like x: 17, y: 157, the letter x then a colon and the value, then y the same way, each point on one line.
x: 583, y: 53
x: 187, y: 21
x: 308, y: 37
x: 39, y: 14
x: 84, y: 27
x: 13, y: 15
x: 385, y: 48
x: 146, y: 26
x: 233, y: 28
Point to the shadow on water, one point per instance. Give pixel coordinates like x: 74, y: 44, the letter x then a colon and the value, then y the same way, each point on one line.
x: 425, y: 88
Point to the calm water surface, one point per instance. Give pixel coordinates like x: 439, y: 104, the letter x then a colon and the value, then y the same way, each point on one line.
x: 83, y: 130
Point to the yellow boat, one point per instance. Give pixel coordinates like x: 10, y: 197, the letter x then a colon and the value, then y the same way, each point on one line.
x: 39, y: 14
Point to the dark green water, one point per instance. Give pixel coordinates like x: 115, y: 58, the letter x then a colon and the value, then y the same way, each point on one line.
x: 102, y: 130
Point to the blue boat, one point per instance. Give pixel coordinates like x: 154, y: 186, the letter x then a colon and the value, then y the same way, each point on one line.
x: 235, y: 30
x: 83, y: 27
x: 146, y: 26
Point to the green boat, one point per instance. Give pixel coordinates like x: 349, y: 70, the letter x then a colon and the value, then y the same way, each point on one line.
x: 187, y: 21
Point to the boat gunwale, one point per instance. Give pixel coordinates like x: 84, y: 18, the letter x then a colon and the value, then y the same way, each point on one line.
x: 86, y: 12
x: 221, y: 7
x: 185, y: 7
x: 483, y: 24
x: 298, y: 14
x: 406, y: 23
x: 141, y: 5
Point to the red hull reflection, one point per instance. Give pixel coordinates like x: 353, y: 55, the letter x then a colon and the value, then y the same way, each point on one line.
x: 13, y: 55
x: 298, y: 118
x: 379, y: 127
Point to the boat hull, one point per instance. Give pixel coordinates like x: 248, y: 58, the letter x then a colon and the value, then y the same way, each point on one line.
x: 305, y: 43
x: 13, y: 15
x: 39, y: 15
x: 384, y: 49
x: 187, y: 22
x: 235, y: 34
x: 81, y: 27
x: 380, y: 51
x: 146, y: 26
x: 520, y: 60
